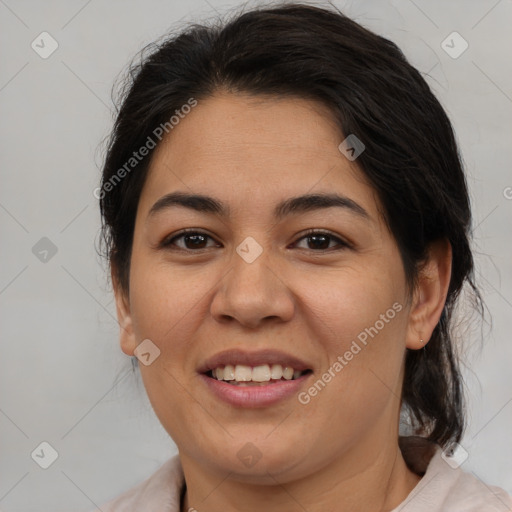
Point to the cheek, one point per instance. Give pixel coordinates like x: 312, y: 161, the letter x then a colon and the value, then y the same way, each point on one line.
x: 167, y: 305
x: 166, y: 301
x: 344, y: 304
x: 359, y: 320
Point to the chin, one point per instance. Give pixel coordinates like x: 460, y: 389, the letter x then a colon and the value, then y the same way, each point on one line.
x: 263, y: 460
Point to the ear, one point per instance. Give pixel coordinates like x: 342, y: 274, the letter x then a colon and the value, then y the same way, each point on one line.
x: 430, y: 294
x: 127, y: 337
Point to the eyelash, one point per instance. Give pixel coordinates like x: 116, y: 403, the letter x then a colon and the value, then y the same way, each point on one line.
x: 167, y: 242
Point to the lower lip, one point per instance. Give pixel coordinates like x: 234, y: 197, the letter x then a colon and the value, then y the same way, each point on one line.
x: 254, y: 396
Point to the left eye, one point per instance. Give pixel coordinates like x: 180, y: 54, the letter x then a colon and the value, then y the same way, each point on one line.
x: 321, y: 241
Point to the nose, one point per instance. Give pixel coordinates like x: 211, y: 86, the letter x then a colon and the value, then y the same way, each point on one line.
x: 253, y: 294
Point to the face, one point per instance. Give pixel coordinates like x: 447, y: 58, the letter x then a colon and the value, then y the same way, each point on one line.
x: 273, y: 275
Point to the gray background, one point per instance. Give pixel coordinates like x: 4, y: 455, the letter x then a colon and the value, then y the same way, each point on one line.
x: 63, y: 378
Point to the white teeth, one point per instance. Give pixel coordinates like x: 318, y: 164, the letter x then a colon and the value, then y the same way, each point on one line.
x: 243, y: 373
x: 229, y: 372
x: 276, y: 372
x: 261, y: 373
x: 288, y: 373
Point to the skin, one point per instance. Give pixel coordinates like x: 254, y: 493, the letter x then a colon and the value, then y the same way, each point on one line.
x: 339, y: 451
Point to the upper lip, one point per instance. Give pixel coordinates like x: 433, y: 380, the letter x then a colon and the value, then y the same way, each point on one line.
x: 255, y: 358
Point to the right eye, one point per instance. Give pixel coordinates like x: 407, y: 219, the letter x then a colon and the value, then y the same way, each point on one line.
x: 189, y: 240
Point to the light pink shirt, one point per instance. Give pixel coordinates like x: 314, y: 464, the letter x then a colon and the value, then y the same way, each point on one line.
x: 441, y: 489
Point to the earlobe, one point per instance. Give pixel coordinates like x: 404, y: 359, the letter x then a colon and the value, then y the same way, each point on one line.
x: 126, y: 336
x: 430, y: 294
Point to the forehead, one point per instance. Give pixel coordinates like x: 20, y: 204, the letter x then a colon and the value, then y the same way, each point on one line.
x: 256, y: 149
x: 241, y: 126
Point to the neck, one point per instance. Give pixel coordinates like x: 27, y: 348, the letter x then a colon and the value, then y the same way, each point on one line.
x: 379, y: 485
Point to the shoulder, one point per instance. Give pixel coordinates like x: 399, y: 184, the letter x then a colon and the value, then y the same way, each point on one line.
x: 446, y: 487
x: 472, y: 494
x: 161, y: 492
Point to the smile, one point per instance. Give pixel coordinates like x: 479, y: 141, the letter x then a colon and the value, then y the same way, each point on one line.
x: 258, y: 375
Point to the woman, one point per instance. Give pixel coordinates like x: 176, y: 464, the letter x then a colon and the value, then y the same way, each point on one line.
x: 286, y: 219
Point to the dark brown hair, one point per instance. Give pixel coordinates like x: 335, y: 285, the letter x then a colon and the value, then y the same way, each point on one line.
x: 411, y: 157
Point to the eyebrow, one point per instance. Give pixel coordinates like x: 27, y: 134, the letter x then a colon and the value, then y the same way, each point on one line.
x: 291, y: 206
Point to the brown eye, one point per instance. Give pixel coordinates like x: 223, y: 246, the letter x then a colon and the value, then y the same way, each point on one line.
x: 190, y: 241
x: 197, y: 240
x: 321, y: 241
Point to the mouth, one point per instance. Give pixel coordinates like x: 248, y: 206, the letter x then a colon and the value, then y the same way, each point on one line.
x: 254, y: 379
x: 260, y: 375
